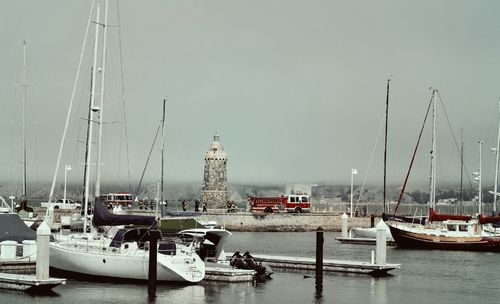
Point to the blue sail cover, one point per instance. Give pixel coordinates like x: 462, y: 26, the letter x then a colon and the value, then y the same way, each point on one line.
x: 102, y: 217
x: 12, y: 228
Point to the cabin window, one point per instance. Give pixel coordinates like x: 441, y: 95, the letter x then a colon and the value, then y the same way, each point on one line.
x: 304, y: 199
x: 451, y: 227
x: 462, y: 227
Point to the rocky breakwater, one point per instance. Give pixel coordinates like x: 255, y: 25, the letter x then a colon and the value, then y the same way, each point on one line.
x: 282, y: 222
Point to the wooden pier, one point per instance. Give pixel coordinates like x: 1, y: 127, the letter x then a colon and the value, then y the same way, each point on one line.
x: 329, y: 265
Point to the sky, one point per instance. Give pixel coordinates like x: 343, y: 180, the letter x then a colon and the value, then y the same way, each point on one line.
x: 296, y: 89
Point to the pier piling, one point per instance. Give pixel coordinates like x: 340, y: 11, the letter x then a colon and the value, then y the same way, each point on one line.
x: 42, y: 251
x: 381, y: 244
x: 319, y: 259
x: 154, y: 235
x: 344, y: 225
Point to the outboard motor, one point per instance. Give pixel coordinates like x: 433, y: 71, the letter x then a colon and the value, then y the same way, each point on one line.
x: 237, y: 261
x: 262, y: 271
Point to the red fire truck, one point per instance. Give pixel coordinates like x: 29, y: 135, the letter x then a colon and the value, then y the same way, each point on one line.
x: 121, y: 198
x: 285, y: 203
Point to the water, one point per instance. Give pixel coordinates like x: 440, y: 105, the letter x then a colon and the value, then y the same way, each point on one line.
x: 430, y: 276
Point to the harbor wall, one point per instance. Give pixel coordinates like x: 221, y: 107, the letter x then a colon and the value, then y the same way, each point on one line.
x: 247, y: 221
x: 287, y: 222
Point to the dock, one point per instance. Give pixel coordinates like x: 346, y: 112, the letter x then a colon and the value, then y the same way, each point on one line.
x: 28, y: 283
x: 226, y: 273
x: 32, y: 251
x: 329, y: 265
x: 363, y: 241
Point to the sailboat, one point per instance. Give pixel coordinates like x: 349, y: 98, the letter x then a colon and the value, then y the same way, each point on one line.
x: 444, y: 232
x: 22, y: 209
x: 124, y: 255
x: 371, y: 232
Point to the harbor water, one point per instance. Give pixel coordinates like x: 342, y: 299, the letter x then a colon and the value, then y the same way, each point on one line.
x: 436, y: 276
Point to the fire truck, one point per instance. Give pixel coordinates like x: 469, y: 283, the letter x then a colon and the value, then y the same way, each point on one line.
x: 285, y: 203
x: 114, y: 199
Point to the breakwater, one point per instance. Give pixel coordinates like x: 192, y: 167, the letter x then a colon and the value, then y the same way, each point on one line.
x: 282, y: 222
x: 247, y: 221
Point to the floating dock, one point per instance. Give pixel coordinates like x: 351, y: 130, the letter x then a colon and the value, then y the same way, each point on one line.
x: 329, y: 265
x: 362, y: 241
x: 28, y: 283
x: 226, y: 273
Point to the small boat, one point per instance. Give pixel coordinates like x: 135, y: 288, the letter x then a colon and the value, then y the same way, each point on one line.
x: 443, y: 231
x: 371, y: 233
x: 450, y: 235
x: 209, y: 243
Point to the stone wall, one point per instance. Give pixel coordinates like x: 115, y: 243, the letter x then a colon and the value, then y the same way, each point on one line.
x: 282, y: 222
x: 214, y: 199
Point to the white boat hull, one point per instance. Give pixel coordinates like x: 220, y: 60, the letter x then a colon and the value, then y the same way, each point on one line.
x: 132, y: 264
x: 371, y: 233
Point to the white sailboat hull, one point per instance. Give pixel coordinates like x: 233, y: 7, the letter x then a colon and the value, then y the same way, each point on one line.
x: 129, y: 264
x: 371, y: 233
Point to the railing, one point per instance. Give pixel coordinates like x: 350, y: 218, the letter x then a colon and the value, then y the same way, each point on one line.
x: 414, y: 209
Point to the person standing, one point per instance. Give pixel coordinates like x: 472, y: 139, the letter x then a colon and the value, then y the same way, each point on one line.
x: 184, y: 205
x: 196, y: 205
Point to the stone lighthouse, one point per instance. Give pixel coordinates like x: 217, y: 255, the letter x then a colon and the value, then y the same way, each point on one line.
x: 214, y: 190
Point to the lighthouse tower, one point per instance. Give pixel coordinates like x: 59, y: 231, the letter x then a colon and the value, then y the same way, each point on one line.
x: 214, y: 189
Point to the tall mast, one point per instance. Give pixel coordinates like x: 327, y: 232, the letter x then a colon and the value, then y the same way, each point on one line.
x: 162, y: 149
x: 48, y: 212
x: 480, y: 176
x: 385, y: 138
x: 85, y: 167
x: 432, y: 200
x: 103, y: 72
x: 92, y: 100
x: 497, y: 148
x: 24, y: 119
x: 461, y: 171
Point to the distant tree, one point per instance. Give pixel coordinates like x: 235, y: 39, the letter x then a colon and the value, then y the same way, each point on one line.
x: 419, y: 196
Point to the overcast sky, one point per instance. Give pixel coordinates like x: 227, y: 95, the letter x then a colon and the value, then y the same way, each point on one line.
x: 296, y: 89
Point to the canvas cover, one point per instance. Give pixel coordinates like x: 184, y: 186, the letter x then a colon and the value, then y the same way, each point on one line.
x: 12, y: 228
x: 102, y: 217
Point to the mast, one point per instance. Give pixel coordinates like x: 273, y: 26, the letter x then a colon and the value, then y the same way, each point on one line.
x: 479, y: 176
x: 48, y: 212
x: 92, y: 100
x: 24, y: 120
x: 162, y: 150
x: 461, y: 171
x: 497, y: 148
x: 87, y: 137
x: 103, y: 72
x: 385, y: 138
x: 432, y: 200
